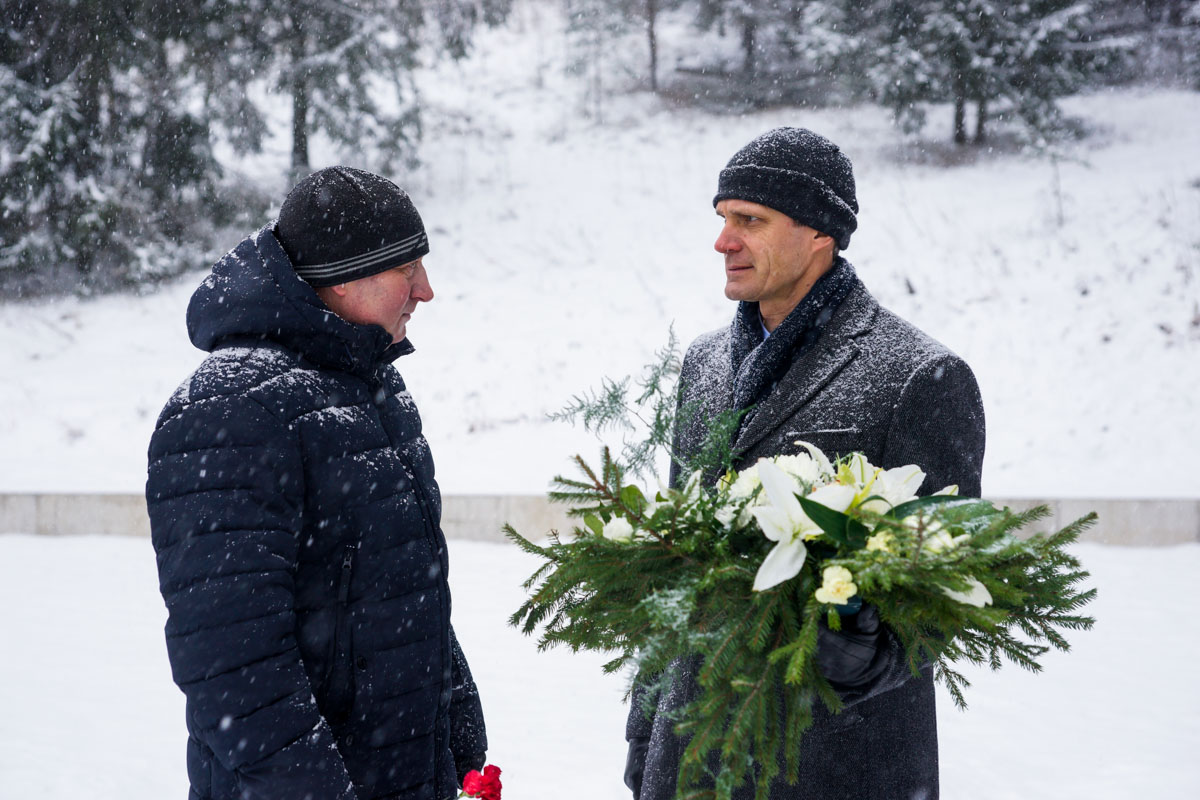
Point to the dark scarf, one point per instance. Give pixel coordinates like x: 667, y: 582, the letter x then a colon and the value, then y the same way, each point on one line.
x: 757, y: 364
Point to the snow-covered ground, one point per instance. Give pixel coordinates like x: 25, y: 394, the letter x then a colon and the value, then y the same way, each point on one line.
x: 89, y: 709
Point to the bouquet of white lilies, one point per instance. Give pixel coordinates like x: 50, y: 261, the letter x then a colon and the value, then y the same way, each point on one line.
x: 741, y: 573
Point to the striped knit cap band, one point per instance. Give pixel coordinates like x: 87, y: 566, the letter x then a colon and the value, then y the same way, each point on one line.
x: 341, y: 224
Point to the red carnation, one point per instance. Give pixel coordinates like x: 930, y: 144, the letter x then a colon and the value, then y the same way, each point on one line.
x: 485, y: 786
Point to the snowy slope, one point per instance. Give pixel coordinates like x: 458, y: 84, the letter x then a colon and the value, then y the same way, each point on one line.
x: 563, y: 250
x: 89, y: 709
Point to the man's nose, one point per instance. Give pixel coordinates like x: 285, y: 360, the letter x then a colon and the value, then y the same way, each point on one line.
x: 422, y: 289
x: 726, y: 242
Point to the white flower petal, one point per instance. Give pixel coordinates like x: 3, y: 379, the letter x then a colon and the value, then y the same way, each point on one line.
x: 618, y: 530
x: 784, y: 562
x: 818, y: 456
x: 745, y: 484
x: 976, y: 595
x: 862, y: 471
x: 834, y: 496
x: 780, y: 488
x: 802, y: 467
x: 776, y: 524
x: 899, y: 485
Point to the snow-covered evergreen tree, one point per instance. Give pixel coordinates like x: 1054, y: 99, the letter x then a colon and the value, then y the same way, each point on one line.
x: 345, y: 66
x: 107, y: 177
x: 110, y: 108
x: 1010, y: 59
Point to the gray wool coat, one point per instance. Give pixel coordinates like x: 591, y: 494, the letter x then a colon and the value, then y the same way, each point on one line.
x: 875, y: 384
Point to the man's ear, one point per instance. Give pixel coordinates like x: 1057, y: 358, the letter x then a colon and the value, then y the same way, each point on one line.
x: 824, y: 240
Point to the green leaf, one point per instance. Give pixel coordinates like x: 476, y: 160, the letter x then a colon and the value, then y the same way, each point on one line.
x: 841, y: 528
x: 593, y: 522
x: 945, y: 500
x: 633, y: 498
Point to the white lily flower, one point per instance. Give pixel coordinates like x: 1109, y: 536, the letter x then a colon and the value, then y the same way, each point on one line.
x: 952, y: 489
x: 881, y: 490
x: 618, y: 530
x: 784, y: 522
x: 976, y: 595
x: 861, y: 472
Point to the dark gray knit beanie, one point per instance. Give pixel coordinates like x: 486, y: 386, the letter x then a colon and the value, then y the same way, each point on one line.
x: 340, y: 224
x: 800, y: 173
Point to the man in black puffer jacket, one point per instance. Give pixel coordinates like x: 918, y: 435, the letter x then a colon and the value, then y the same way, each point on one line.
x: 296, y: 519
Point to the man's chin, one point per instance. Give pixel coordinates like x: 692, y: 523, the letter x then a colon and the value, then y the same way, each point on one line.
x: 735, y: 292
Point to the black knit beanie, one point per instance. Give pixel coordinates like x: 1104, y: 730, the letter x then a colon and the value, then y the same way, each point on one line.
x: 800, y: 173
x: 341, y: 224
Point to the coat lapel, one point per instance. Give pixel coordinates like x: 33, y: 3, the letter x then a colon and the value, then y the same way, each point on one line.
x: 809, y: 374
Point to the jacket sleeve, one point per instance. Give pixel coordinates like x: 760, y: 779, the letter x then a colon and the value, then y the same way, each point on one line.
x: 938, y: 425
x: 224, y: 495
x: 468, y: 734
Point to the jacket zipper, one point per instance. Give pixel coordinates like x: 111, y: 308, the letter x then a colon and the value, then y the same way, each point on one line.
x: 341, y: 671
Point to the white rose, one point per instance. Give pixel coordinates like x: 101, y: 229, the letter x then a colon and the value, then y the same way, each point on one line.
x: 801, y: 467
x: 618, y: 530
x: 746, y: 483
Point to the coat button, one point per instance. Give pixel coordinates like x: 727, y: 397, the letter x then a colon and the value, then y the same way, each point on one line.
x: 350, y: 738
x: 361, y: 662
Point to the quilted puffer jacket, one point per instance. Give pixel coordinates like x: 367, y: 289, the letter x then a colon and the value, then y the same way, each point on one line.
x: 295, y: 519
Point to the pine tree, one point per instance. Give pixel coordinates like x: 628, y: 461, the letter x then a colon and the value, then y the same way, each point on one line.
x: 346, y: 67
x: 1012, y: 60
x: 107, y: 177
x: 594, y: 24
x: 107, y: 173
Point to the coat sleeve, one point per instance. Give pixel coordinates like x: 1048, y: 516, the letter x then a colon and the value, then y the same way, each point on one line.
x: 468, y: 735
x: 224, y: 495
x: 938, y: 425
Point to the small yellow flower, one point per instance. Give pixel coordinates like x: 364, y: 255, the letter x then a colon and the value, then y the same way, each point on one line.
x: 883, y: 540
x: 837, y: 586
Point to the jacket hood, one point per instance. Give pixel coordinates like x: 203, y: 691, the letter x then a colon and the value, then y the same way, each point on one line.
x: 254, y: 293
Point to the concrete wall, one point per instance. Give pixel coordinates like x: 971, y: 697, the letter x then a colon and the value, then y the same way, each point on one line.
x: 480, y: 517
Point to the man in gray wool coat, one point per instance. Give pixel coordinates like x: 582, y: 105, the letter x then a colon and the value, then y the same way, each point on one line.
x: 815, y: 358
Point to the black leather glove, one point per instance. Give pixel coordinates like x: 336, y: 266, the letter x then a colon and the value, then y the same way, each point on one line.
x: 465, y: 764
x: 635, y: 764
x: 849, y: 658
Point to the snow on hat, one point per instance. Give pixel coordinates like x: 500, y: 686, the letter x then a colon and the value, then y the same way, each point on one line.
x: 340, y: 224
x: 800, y: 173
